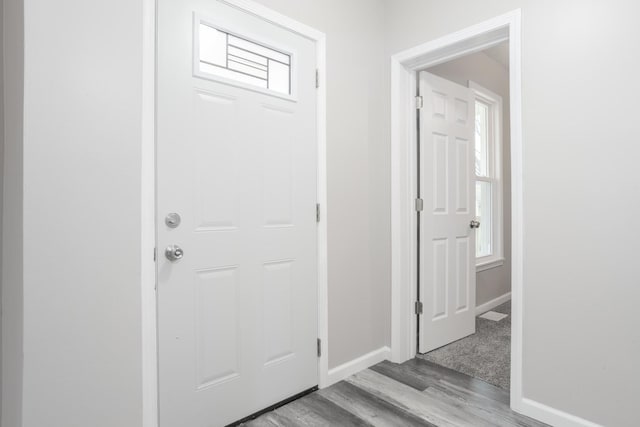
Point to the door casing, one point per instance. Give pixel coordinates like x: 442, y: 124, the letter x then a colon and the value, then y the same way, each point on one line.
x: 404, y: 260
x: 148, y: 196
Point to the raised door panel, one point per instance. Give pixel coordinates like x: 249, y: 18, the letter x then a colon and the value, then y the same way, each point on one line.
x: 217, y: 161
x: 217, y: 327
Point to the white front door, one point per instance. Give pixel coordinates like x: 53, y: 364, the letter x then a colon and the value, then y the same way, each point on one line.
x: 236, y: 163
x: 447, y: 241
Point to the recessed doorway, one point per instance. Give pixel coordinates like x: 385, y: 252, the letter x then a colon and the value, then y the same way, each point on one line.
x: 464, y: 226
x: 406, y: 270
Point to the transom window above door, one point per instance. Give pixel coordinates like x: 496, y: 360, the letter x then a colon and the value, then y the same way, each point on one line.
x: 488, y: 172
x: 235, y: 58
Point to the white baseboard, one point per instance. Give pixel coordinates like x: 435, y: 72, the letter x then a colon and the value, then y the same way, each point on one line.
x: 481, y: 309
x: 356, y: 365
x: 551, y: 416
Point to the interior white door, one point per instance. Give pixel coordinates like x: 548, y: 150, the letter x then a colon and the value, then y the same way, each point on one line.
x: 447, y: 241
x: 237, y: 161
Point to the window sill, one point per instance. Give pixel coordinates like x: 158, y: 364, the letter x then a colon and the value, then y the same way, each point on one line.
x: 489, y: 264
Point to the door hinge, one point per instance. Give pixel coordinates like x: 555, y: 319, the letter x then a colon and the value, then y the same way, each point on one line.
x: 317, y: 212
x: 418, y: 307
x: 419, y: 102
x: 319, y: 347
x: 419, y: 205
x: 155, y: 254
x: 317, y: 79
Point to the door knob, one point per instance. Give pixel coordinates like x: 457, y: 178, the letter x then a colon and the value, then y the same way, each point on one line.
x: 174, y: 253
x: 474, y: 224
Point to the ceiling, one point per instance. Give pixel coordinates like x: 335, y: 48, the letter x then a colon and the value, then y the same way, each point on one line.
x: 499, y: 53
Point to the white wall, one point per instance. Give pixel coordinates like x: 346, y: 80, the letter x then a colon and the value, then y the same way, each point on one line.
x: 580, y: 91
x: 82, y: 139
x: 359, y: 211
x: 1, y: 176
x: 487, y: 72
x: 12, y: 262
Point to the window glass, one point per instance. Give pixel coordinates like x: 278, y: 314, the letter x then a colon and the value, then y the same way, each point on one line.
x: 482, y: 139
x: 483, y: 214
x: 232, y: 57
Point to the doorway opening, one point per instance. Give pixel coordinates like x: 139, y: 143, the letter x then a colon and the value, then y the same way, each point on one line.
x: 464, y: 226
x: 407, y: 303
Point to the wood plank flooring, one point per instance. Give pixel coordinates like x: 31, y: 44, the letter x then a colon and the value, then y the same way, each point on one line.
x: 415, y: 393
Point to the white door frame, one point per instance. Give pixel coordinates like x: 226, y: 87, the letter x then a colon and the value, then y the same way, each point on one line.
x: 404, y: 261
x: 148, y: 200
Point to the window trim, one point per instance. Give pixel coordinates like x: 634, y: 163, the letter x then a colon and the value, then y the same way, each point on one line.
x: 496, y: 173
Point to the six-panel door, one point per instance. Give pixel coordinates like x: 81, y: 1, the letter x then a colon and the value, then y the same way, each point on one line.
x: 236, y: 159
x: 447, y: 243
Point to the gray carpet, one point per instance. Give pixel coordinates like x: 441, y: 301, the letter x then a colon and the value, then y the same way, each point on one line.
x: 485, y: 355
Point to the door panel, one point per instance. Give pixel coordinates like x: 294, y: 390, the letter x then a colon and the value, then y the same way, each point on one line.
x: 237, y: 314
x: 447, y: 260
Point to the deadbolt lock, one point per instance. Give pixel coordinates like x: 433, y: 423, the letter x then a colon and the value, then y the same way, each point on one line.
x: 172, y: 220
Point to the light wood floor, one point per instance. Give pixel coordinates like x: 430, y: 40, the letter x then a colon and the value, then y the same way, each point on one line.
x: 415, y: 393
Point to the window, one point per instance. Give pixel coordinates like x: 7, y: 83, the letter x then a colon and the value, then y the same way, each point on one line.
x: 232, y: 57
x: 488, y: 171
